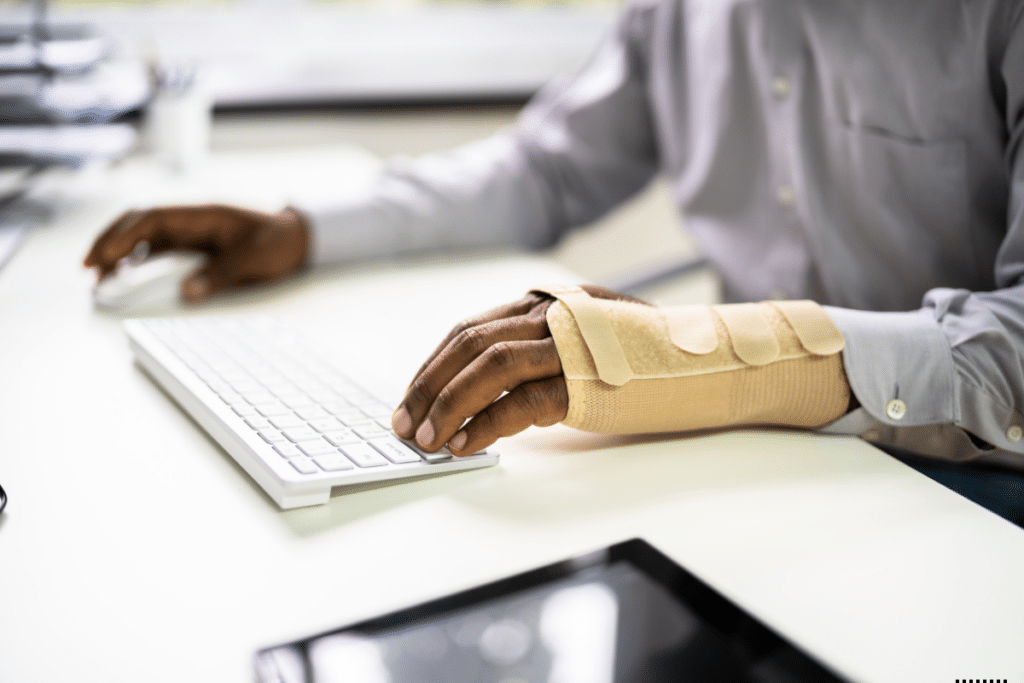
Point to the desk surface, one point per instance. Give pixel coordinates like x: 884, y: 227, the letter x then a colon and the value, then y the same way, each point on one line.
x: 134, y: 549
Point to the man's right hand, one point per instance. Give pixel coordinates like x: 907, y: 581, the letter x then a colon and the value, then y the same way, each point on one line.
x: 245, y: 247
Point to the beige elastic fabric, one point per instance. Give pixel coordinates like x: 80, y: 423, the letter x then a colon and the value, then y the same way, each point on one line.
x: 632, y: 368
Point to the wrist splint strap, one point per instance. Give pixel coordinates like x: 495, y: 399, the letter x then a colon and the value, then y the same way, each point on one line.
x: 632, y: 368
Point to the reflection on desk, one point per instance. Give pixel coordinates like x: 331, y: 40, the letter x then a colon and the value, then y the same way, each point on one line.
x: 137, y: 550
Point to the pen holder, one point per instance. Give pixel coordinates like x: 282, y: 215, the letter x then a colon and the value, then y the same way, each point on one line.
x: 178, y: 119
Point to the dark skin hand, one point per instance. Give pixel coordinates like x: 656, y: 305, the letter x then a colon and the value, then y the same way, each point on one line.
x: 508, y: 349
x: 245, y: 247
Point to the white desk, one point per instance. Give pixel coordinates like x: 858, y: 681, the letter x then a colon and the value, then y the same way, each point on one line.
x: 133, y: 549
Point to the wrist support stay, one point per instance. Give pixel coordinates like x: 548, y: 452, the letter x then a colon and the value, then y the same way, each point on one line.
x: 632, y: 368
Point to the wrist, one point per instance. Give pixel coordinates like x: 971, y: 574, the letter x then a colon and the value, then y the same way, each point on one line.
x: 294, y: 236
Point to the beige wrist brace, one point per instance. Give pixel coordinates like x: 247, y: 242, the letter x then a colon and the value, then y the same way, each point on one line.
x: 633, y: 368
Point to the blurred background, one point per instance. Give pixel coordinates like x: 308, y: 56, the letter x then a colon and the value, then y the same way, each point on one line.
x: 87, y: 81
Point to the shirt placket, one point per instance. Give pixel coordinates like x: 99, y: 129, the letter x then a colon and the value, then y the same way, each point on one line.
x: 781, y: 81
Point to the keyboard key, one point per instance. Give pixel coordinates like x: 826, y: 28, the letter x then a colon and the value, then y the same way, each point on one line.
x: 286, y: 421
x: 311, y: 412
x: 395, y: 451
x: 440, y: 455
x: 244, y: 410
x: 231, y: 397
x: 298, y: 400
x: 336, y: 405
x: 257, y: 423
x: 353, y: 417
x: 371, y: 431
x: 364, y: 455
x: 287, y: 450
x: 247, y: 385
x: 318, y: 447
x: 272, y: 436
x: 325, y: 424
x: 342, y: 436
x: 333, y: 463
x: 322, y: 394
x: 255, y: 396
x: 304, y: 465
x: 216, y: 386
x: 377, y: 409
x: 272, y: 408
x: 287, y: 390
x: 302, y: 433
x: 231, y: 374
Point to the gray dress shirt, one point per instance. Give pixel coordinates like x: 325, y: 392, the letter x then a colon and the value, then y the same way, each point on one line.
x: 863, y: 153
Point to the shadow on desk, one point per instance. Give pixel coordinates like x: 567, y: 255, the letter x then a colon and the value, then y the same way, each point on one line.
x: 558, y: 474
x: 583, y: 473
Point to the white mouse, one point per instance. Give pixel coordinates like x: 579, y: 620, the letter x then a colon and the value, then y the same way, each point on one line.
x: 149, y: 283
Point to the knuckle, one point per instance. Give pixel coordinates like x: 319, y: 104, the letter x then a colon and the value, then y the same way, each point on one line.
x: 447, y: 403
x: 469, y: 341
x: 485, y: 424
x: 419, y: 393
x: 501, y: 357
x: 539, y: 402
x: 529, y: 401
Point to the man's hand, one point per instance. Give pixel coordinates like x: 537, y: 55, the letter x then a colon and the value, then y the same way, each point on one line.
x: 508, y: 349
x: 245, y: 247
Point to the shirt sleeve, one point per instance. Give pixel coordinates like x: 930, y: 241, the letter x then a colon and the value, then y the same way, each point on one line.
x: 931, y: 379
x: 580, y: 147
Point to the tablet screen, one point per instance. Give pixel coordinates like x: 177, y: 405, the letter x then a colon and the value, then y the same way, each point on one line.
x: 625, y: 614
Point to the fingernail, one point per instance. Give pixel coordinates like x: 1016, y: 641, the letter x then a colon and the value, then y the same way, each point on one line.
x: 458, y: 441
x: 197, y: 288
x: 401, y: 422
x: 425, y: 434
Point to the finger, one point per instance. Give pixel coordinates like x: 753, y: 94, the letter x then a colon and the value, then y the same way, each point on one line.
x: 541, y: 403
x: 516, y: 308
x: 221, y: 272
x: 105, y: 253
x: 454, y: 358
x: 504, y: 366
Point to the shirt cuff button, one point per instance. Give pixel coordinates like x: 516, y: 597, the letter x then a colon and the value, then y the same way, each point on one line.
x: 1014, y: 433
x: 896, y: 409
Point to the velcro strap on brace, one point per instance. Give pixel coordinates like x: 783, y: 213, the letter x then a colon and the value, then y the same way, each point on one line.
x: 631, y: 367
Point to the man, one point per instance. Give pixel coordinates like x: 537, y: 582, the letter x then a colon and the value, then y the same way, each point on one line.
x: 864, y: 155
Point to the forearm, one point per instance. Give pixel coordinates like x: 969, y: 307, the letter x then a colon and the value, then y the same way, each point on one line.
x: 582, y: 146
x: 480, y: 195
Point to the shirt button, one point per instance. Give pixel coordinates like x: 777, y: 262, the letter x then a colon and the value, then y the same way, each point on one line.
x: 781, y: 87
x: 786, y: 195
x: 896, y: 409
x: 1014, y: 433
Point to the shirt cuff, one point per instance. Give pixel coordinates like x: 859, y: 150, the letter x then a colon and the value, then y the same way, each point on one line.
x: 901, y: 369
x: 899, y: 366
x: 347, y: 230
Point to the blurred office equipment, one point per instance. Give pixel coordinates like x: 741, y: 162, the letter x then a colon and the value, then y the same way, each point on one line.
x: 60, y: 86
x: 272, y: 53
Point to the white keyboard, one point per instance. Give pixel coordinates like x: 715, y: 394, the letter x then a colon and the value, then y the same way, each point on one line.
x: 292, y: 420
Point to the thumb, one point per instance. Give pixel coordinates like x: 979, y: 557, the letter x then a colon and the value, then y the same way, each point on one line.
x: 218, y: 274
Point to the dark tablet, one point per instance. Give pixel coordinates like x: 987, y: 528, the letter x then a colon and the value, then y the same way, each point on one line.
x: 621, y: 615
